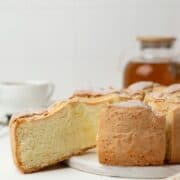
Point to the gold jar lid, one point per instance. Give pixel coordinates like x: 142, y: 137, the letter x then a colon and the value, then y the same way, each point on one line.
x: 156, y: 41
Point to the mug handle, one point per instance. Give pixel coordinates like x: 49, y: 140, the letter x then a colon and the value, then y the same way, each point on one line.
x: 51, y: 88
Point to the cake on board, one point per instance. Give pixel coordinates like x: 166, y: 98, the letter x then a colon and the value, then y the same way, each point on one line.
x: 64, y: 129
x: 122, y: 120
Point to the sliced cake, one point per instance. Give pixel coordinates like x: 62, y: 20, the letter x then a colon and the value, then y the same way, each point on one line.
x: 139, y: 126
x: 66, y: 128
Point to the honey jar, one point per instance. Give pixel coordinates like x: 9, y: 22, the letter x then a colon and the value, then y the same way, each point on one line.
x: 156, y: 62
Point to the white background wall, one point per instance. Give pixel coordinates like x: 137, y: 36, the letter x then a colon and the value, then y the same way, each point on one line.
x: 75, y: 43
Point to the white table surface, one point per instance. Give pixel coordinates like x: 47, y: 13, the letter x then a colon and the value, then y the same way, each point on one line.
x: 8, y: 170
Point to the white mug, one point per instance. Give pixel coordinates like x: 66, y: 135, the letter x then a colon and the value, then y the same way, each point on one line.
x: 24, y: 96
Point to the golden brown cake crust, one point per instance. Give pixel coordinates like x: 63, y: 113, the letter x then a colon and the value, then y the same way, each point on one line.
x: 126, y: 134
x: 59, y: 105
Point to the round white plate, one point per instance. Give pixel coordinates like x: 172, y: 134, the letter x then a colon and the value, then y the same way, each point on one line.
x: 89, y: 163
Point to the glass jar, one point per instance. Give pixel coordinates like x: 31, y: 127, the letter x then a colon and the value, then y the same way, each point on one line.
x: 155, y: 62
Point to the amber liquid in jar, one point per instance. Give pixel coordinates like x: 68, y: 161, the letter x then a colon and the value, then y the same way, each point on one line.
x: 155, y: 62
x: 160, y: 72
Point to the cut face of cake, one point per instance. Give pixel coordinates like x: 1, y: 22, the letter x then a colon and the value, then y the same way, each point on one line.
x: 46, y: 139
x: 130, y: 133
x: 65, y: 129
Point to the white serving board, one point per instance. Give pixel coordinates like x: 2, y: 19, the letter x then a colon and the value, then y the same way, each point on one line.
x: 89, y: 163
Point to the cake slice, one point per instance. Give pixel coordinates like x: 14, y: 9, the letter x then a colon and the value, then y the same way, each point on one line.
x: 65, y: 129
x: 129, y: 134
